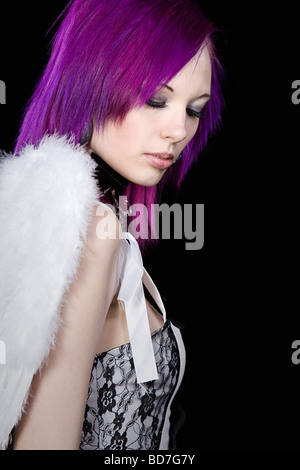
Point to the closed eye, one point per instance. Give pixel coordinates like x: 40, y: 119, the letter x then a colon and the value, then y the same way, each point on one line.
x: 162, y: 104
x: 194, y: 113
x: 156, y: 104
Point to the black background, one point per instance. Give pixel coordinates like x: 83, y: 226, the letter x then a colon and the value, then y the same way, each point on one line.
x: 235, y: 296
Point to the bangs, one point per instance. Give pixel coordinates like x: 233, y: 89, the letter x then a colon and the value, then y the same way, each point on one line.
x: 155, y: 44
x: 110, y: 56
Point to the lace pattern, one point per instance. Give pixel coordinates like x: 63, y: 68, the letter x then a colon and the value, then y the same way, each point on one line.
x: 121, y: 414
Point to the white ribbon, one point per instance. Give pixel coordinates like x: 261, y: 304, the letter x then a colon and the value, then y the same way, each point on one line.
x: 131, y: 293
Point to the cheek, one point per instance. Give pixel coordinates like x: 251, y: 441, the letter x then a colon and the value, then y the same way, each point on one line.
x: 136, y: 126
x: 112, y: 140
x: 195, y: 126
x: 126, y: 135
x: 191, y: 131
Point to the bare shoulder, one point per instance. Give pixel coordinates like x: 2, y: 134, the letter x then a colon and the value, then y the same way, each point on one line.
x: 104, y: 235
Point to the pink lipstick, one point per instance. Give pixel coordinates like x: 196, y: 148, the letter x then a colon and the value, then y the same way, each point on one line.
x: 160, y: 160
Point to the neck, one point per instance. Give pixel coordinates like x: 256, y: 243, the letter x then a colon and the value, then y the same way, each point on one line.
x: 112, y: 184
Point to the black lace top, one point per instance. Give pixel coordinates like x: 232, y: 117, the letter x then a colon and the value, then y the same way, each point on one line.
x: 124, y: 415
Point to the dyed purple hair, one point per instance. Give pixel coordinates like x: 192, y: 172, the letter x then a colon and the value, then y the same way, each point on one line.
x: 109, y: 56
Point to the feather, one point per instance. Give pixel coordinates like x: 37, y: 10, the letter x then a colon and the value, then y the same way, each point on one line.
x: 47, y: 195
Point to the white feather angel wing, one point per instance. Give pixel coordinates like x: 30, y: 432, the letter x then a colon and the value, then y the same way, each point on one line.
x: 47, y: 195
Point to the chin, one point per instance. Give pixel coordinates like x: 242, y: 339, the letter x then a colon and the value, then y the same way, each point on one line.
x: 152, y: 180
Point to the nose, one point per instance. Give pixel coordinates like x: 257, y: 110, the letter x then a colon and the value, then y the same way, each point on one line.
x: 174, y: 127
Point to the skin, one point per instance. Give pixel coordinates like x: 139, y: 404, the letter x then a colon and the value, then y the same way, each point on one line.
x: 91, y: 318
x: 160, y: 130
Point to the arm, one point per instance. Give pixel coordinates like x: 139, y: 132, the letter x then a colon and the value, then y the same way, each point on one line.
x: 55, y: 412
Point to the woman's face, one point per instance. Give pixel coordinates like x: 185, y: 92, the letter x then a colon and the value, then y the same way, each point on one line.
x: 150, y: 139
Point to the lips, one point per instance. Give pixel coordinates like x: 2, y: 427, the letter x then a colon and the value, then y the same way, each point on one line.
x: 160, y: 160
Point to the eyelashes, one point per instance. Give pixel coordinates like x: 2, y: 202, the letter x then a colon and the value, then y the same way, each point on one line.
x: 156, y: 104
x: 162, y: 104
x: 194, y: 113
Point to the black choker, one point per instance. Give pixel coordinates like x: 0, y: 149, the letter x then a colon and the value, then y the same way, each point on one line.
x: 108, y: 174
x: 111, y: 183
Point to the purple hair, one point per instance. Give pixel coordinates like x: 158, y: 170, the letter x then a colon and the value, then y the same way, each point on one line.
x: 109, y: 56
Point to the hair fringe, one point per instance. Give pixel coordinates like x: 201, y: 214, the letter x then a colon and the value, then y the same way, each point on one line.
x: 102, y: 65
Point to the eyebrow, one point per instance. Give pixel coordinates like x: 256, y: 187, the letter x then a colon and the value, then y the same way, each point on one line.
x: 168, y: 87
x: 205, y: 95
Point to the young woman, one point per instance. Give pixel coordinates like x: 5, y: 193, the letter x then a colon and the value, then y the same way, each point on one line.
x: 129, y: 97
